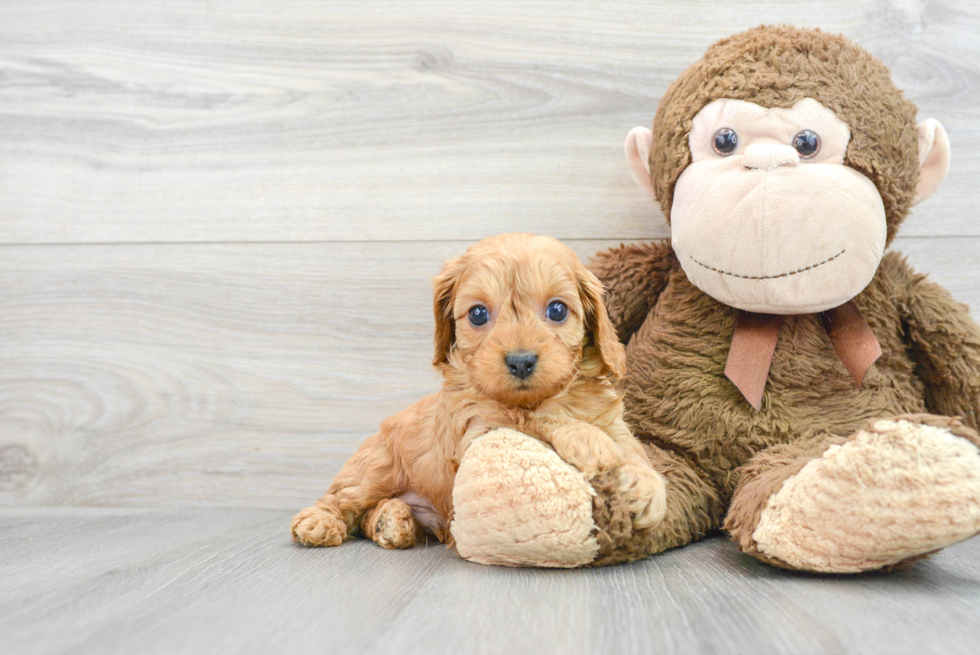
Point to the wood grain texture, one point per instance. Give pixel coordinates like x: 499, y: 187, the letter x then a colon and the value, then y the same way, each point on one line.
x: 228, y: 375
x: 229, y: 581
x: 217, y: 225
x: 232, y: 375
x: 236, y: 120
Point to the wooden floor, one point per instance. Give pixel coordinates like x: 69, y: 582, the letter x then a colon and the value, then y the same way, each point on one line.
x: 99, y: 580
x: 218, y: 222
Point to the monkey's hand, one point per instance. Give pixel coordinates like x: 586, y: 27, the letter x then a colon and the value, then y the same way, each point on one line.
x: 946, y: 347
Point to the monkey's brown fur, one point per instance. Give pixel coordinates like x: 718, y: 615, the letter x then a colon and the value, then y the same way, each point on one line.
x: 721, y: 457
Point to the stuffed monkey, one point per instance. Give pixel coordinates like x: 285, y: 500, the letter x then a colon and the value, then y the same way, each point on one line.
x: 794, y: 383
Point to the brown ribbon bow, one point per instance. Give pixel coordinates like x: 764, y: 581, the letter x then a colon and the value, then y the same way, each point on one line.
x: 754, y: 343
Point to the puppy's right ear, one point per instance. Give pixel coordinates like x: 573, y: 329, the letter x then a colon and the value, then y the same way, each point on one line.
x: 605, y: 343
x: 443, y: 294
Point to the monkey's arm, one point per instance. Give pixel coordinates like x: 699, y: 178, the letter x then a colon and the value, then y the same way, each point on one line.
x: 945, y: 343
x: 633, y: 277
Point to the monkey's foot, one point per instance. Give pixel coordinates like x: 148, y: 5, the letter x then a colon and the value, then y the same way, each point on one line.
x: 517, y: 503
x: 895, y: 491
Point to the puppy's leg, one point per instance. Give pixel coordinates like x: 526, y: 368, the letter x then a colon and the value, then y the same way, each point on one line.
x: 645, y: 491
x: 316, y: 526
x: 643, y: 487
x: 367, y: 478
x: 582, y: 445
x: 591, y: 450
x: 391, y: 525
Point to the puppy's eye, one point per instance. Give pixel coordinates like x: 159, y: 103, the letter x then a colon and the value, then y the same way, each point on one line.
x: 478, y: 315
x: 557, y: 311
x: 807, y: 143
x: 724, y: 141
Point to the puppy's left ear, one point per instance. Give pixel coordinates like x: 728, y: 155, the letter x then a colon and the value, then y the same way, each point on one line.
x: 607, y: 348
x: 443, y: 292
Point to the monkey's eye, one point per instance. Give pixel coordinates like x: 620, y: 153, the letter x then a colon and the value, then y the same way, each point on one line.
x: 557, y: 311
x: 478, y: 315
x: 724, y: 141
x: 807, y: 143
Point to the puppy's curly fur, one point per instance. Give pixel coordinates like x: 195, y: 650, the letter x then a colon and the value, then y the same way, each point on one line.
x: 399, y: 482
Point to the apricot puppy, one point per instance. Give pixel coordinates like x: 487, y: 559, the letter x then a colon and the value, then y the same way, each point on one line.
x: 522, y: 341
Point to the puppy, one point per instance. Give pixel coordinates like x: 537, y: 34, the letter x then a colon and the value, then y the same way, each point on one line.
x: 523, y: 341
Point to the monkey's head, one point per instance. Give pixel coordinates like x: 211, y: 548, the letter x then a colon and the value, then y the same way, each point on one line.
x: 785, y: 160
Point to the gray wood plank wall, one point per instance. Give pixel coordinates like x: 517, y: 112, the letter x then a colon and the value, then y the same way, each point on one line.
x: 218, y: 220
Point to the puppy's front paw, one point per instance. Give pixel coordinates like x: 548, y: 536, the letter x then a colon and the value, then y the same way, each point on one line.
x: 646, y: 494
x: 317, y: 527
x: 591, y: 455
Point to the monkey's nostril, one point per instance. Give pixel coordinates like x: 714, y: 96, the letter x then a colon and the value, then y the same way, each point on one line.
x: 521, y: 363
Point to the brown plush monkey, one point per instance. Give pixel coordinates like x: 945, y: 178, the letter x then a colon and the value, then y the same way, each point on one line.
x: 794, y: 383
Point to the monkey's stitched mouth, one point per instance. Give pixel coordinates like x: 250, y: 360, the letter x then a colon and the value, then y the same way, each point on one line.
x: 770, y: 277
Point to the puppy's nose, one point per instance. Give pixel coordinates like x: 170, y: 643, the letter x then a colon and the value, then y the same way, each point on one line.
x: 521, y: 363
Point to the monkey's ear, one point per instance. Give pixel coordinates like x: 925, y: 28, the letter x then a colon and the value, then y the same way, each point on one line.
x: 638, y: 144
x: 933, y: 158
x: 443, y: 293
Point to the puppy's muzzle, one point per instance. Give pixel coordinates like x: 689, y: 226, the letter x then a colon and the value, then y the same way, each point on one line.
x: 521, y: 363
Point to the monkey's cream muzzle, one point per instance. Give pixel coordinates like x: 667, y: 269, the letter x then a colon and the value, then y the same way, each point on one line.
x: 764, y: 230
